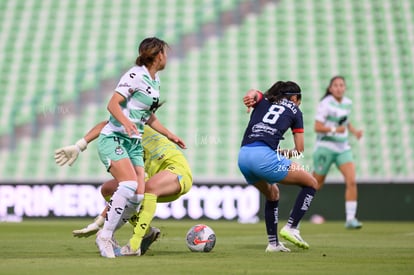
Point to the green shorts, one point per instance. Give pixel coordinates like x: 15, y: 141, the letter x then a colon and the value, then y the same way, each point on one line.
x: 115, y: 147
x: 324, y: 157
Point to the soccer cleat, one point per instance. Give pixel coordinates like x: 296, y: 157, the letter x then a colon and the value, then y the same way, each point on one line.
x: 127, y: 251
x: 277, y: 248
x: 115, y: 244
x: 149, y: 238
x: 353, y: 224
x: 87, y: 231
x: 106, y: 246
x: 293, y: 236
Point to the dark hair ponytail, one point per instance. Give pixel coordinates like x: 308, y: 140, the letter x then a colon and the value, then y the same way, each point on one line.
x: 327, y: 92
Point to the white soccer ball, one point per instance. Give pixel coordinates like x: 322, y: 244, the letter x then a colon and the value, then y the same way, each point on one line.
x: 201, y: 238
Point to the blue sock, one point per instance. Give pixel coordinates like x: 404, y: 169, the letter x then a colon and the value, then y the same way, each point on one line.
x: 303, y: 201
x: 271, y: 219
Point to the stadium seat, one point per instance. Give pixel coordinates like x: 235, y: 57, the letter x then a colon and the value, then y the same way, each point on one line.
x: 57, y: 50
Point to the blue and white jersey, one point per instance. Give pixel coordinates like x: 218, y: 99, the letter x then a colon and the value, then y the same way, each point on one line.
x: 141, y: 94
x: 333, y: 114
x: 269, y: 122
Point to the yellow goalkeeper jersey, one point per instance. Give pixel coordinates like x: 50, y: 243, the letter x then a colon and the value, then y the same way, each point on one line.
x: 160, y: 153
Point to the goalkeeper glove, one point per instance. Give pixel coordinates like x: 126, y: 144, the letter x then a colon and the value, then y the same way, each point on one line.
x: 90, y: 229
x: 69, y: 154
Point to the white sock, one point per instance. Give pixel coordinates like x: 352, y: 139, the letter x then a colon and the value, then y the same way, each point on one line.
x: 131, y: 208
x: 350, y: 210
x: 124, y: 192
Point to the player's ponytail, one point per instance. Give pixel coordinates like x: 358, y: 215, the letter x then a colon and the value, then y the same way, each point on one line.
x: 148, y: 50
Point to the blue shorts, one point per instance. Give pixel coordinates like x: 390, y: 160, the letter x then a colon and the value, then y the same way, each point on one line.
x: 259, y: 162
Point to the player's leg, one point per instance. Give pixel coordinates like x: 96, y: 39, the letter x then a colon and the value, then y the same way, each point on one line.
x: 161, y: 184
x: 271, y: 193
x: 298, y: 176
x: 115, y: 153
x: 123, y: 171
x: 255, y: 163
x: 347, y: 167
x: 107, y: 189
x: 322, y: 161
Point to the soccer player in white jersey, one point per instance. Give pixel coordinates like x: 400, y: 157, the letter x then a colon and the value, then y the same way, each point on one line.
x: 332, y: 126
x: 132, y: 106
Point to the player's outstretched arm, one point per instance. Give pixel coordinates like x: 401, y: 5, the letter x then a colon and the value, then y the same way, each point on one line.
x: 69, y: 154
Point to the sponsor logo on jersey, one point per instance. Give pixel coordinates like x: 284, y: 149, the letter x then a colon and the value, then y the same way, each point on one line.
x: 261, y: 127
x: 124, y: 85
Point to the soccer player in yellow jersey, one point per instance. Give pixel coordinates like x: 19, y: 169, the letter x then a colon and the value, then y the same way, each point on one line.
x: 168, y: 177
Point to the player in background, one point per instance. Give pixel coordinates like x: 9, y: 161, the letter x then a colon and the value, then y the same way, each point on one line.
x: 332, y: 126
x: 168, y: 177
x: 131, y: 106
x: 263, y: 164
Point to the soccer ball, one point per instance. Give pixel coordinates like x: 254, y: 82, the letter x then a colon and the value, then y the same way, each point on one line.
x: 201, y: 238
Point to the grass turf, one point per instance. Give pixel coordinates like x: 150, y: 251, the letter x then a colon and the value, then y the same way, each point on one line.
x: 47, y: 247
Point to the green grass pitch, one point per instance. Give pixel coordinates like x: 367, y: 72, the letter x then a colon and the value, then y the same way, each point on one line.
x: 44, y: 246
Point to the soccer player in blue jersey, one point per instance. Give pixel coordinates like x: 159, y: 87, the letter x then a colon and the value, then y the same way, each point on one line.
x: 332, y: 126
x: 263, y: 164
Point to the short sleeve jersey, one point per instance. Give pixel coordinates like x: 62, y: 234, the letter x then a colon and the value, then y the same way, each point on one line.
x: 333, y: 114
x: 141, y: 94
x: 269, y: 122
x: 159, y: 150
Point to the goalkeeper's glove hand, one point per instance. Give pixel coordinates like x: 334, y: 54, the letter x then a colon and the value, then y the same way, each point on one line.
x: 90, y: 229
x: 69, y: 154
x: 87, y: 231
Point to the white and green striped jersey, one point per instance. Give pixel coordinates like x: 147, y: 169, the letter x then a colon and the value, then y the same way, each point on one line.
x: 141, y: 94
x: 333, y: 114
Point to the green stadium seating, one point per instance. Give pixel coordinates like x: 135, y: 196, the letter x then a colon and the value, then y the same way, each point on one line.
x: 55, y: 50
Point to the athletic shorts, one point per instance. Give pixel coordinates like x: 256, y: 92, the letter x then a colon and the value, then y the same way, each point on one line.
x: 324, y: 157
x: 260, y: 162
x: 114, y: 147
x: 184, y: 178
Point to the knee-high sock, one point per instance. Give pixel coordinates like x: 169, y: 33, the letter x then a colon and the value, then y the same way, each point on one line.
x: 131, y: 208
x: 303, y: 201
x: 124, y: 192
x: 271, y: 220
x: 145, y: 216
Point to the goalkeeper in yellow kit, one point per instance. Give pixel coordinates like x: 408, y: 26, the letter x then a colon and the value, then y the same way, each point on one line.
x: 168, y: 177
